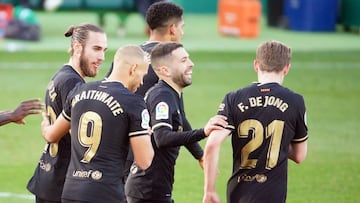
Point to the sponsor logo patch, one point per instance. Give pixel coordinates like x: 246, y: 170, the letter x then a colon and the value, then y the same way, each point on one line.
x: 162, y: 111
x: 145, y: 119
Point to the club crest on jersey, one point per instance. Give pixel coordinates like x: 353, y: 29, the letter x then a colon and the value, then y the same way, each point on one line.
x: 145, y: 119
x: 162, y: 111
x: 96, y: 175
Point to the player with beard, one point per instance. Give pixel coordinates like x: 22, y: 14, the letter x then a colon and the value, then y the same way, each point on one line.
x: 87, y: 52
x: 165, y: 20
x: 164, y: 101
x: 105, y: 116
x: 166, y: 23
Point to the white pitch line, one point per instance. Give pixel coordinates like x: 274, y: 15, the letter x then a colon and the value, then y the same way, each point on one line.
x: 16, y: 195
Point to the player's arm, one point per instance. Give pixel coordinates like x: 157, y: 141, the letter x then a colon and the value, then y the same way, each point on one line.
x: 142, y: 150
x: 298, y: 146
x: 25, y: 108
x: 196, y: 151
x: 194, y: 148
x: 211, y: 162
x: 5, y: 117
x: 298, y: 151
x: 53, y: 133
x: 165, y: 137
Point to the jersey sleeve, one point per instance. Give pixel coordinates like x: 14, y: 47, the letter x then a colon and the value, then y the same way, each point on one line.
x: 162, y: 107
x: 138, y: 118
x: 301, y: 125
x: 194, y: 148
x: 66, y: 112
x: 225, y: 110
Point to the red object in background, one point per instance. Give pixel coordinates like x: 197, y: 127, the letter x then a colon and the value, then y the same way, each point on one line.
x: 6, y: 14
x: 7, y: 10
x: 239, y: 18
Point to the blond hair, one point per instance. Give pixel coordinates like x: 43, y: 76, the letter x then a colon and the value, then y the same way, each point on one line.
x: 273, y: 56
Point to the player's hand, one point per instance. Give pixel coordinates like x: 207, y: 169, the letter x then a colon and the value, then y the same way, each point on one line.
x: 211, y: 197
x: 28, y: 107
x: 217, y: 122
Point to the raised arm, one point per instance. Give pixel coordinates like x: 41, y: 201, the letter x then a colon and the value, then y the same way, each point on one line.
x: 165, y: 137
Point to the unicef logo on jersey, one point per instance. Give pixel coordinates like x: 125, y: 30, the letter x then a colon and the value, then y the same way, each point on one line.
x: 145, y: 119
x: 95, y: 175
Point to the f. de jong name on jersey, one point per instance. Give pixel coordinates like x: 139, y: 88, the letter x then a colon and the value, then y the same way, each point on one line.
x: 264, y: 101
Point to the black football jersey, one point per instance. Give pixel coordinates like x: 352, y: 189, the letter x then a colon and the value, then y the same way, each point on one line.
x: 104, y: 116
x: 264, y: 120
x: 150, y: 79
x: 167, y: 122
x: 49, y: 176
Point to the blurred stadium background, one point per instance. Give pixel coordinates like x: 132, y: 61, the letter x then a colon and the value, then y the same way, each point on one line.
x: 325, y: 70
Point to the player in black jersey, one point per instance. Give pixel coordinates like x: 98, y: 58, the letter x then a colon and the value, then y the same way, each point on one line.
x: 165, y: 20
x: 268, y: 126
x: 87, y: 52
x: 105, y: 117
x: 167, y: 117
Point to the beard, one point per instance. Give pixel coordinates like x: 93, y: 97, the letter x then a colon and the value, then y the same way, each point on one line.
x: 182, y: 81
x: 85, y: 66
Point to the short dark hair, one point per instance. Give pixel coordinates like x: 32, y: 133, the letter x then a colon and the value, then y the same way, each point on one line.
x: 160, y: 13
x: 161, y: 51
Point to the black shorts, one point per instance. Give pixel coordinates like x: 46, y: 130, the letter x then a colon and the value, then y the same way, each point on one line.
x: 136, y: 200
x: 72, y: 201
x: 39, y: 200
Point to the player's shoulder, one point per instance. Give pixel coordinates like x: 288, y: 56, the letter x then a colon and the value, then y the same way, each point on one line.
x: 291, y: 94
x: 232, y: 94
x: 161, y: 89
x: 133, y: 103
x: 148, y: 46
x: 67, y: 70
x: 67, y: 75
